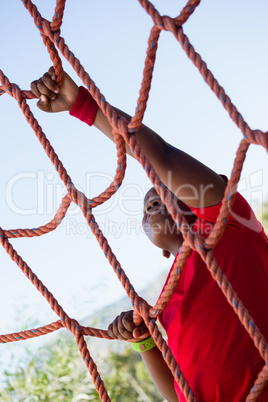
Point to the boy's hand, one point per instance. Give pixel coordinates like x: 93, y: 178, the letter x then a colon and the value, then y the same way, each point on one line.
x: 51, y: 97
x: 123, y: 328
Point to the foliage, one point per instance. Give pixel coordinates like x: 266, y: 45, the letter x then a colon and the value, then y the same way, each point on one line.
x: 129, y: 380
x: 57, y: 373
x: 54, y: 373
x: 265, y: 216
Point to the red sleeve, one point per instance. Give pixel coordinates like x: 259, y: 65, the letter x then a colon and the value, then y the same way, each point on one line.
x: 85, y: 107
x: 240, y: 217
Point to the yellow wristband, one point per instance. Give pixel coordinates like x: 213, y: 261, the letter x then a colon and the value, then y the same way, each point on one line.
x: 143, y: 346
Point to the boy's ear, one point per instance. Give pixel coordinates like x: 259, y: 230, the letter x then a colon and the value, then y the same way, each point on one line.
x: 166, y: 253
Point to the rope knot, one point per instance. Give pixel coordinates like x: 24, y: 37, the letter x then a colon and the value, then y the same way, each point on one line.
x: 47, y: 31
x: 122, y: 126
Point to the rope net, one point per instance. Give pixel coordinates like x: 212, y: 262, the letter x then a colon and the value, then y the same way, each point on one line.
x: 124, y: 132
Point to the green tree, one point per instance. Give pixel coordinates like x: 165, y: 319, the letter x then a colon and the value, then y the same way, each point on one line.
x: 57, y: 373
x: 129, y: 380
x: 54, y: 373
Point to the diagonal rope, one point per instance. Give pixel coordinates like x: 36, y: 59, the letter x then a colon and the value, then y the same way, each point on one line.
x: 124, y: 132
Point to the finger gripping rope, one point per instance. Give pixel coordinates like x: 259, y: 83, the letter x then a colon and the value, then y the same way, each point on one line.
x: 124, y: 132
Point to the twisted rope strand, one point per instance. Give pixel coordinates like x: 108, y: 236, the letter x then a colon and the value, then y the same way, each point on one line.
x: 146, y: 82
x: 169, y: 358
x: 172, y: 282
x: 70, y: 324
x: 58, y: 15
x: 159, y: 20
x: 49, y: 227
x: 115, y: 122
x: 47, y: 329
x: 259, y: 385
x: 253, y: 136
x: 229, y: 196
x: 123, y: 132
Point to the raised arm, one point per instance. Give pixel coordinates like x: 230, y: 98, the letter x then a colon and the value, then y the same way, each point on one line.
x: 191, y: 181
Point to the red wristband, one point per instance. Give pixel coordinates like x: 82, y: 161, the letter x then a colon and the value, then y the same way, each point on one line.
x: 85, y: 107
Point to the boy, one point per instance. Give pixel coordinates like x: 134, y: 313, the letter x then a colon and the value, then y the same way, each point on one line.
x: 214, y: 351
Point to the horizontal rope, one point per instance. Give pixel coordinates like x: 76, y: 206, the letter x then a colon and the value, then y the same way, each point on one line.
x: 124, y: 133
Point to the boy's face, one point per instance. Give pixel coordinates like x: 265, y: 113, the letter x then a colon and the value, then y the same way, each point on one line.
x: 158, y: 224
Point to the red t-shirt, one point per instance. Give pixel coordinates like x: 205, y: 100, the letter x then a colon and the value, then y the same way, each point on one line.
x: 213, y: 349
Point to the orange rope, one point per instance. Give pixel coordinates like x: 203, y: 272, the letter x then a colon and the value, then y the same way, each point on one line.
x: 124, y: 132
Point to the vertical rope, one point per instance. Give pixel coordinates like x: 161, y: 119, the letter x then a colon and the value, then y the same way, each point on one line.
x: 124, y: 132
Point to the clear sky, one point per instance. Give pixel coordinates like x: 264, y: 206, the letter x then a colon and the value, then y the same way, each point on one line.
x: 110, y: 40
